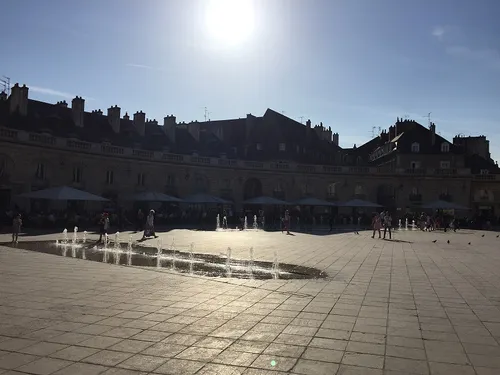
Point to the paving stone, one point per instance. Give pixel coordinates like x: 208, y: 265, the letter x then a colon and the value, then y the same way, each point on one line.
x: 179, y: 367
x: 44, y: 366
x: 74, y: 353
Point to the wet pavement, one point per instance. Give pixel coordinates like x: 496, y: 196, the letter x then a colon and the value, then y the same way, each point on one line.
x: 407, y: 306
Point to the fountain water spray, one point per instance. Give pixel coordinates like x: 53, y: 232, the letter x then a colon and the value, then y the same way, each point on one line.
x: 228, y: 262
x: 57, y: 242
x: 217, y: 224
x: 172, y: 247
x: 245, y: 225
x: 83, y: 253
x: 191, y: 258
x: 129, y: 251
x: 413, y: 224
x: 276, y: 272
x: 117, y: 240
x: 105, y: 249
x: 75, y: 235
x: 65, y: 235
x: 84, y: 236
x: 399, y: 224
x: 158, y: 255
x: 255, y: 224
x: 251, y: 262
x: 406, y: 224
x: 64, y: 249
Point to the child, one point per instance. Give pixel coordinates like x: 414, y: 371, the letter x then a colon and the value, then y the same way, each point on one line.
x: 16, y: 227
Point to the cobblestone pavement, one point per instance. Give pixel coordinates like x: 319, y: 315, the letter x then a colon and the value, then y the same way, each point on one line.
x: 409, y: 306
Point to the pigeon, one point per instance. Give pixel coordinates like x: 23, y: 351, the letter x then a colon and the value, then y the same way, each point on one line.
x: 482, y: 235
x: 434, y: 241
x: 448, y: 241
x: 498, y: 235
x: 469, y: 243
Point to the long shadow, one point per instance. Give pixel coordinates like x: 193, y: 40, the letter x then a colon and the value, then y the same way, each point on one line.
x: 393, y: 240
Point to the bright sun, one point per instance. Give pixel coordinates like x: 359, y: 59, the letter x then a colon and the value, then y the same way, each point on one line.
x: 230, y: 22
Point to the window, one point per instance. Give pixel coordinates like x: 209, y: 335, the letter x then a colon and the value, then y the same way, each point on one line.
x: 110, y: 177
x: 484, y: 171
x: 332, y: 189
x: 445, y: 191
x: 415, y: 165
x: 414, y: 191
x: 40, y: 171
x: 141, y: 179
x: 77, y: 175
x: 170, y: 180
x: 415, y: 147
x: 358, y: 190
x: 444, y: 164
x: 259, y: 146
x: 282, y: 147
x: 445, y: 147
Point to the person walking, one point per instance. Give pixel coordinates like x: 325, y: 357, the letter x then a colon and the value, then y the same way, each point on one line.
x: 16, y: 227
x: 388, y: 224
x: 150, y: 226
x: 376, y: 225
x: 103, y: 225
x: 286, y: 221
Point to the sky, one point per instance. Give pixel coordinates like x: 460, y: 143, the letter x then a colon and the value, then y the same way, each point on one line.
x: 354, y: 65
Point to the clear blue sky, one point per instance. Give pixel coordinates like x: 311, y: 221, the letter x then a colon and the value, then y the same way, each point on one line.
x: 352, y: 64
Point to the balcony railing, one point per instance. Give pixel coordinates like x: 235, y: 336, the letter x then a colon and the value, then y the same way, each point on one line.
x: 285, y: 167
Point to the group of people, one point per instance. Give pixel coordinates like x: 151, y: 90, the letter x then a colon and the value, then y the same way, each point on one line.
x: 149, y: 227
x: 382, y: 220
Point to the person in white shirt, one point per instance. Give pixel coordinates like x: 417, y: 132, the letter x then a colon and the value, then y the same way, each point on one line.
x: 387, y: 224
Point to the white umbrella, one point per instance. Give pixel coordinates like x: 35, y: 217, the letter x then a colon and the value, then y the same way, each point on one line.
x: 266, y: 201
x: 204, y: 198
x: 444, y: 205
x: 314, y: 202
x: 152, y: 196
x: 359, y: 203
x: 63, y: 193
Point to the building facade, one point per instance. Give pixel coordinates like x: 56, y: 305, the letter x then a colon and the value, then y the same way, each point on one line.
x: 113, y: 155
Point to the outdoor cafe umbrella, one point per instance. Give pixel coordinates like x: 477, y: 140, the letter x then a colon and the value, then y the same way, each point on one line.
x: 310, y: 201
x: 359, y: 203
x: 443, y: 205
x: 202, y: 198
x: 152, y: 196
x: 266, y: 201
x: 63, y: 193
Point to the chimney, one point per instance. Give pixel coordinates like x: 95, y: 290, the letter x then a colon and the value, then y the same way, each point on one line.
x: 194, y: 130
x: 126, y: 116
x: 391, y: 133
x: 62, y: 104
x: 432, y: 128
x: 249, y: 125
x: 114, y: 118
x: 19, y: 100
x: 336, y: 139
x: 140, y: 122
x: 169, y: 126
x: 308, y: 124
x: 77, y: 109
x: 3, y: 96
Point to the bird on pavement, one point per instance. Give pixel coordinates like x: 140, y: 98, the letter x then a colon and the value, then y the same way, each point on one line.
x: 434, y: 241
x: 482, y: 235
x: 448, y: 241
x: 469, y: 243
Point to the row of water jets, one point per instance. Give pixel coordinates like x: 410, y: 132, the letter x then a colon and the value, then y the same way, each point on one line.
x: 413, y: 226
x: 116, y: 250
x: 255, y: 224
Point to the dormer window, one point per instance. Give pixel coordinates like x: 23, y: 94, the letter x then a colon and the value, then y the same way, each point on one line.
x: 445, y: 147
x: 282, y: 147
x: 259, y: 146
x: 415, y: 147
x: 484, y: 171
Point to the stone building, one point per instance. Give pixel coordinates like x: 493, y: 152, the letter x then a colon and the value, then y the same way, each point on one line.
x: 114, y: 154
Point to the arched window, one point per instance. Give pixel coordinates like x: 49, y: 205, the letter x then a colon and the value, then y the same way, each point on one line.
x: 358, y: 190
x: 415, y: 147
x: 332, y: 189
x: 414, y: 191
x: 445, y: 147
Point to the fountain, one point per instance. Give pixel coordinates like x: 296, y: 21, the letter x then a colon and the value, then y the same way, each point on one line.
x: 406, y: 224
x: 251, y: 262
x: 75, y: 235
x: 191, y: 258
x: 84, y: 236
x: 129, y: 251
x: 217, y: 224
x: 117, y: 241
x: 228, y: 262
x: 263, y: 222
x: 173, y: 254
x: 83, y: 253
x: 276, y: 272
x: 245, y: 225
x: 105, y: 249
x: 255, y: 224
x: 158, y: 254
x: 64, y: 249
x: 57, y: 242
x: 399, y: 224
x: 413, y: 224
x: 65, y: 236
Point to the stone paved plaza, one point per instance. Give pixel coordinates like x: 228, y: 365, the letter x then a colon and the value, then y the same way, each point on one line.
x: 409, y: 306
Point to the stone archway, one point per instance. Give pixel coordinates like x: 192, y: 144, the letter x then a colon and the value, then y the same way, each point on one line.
x: 252, y: 188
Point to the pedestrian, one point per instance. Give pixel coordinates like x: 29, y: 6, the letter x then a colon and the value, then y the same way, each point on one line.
x: 286, y: 221
x: 387, y: 224
x: 376, y: 225
x: 16, y: 227
x: 150, y: 226
x: 103, y: 226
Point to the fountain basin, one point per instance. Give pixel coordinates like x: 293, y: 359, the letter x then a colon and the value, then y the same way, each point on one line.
x: 202, y: 264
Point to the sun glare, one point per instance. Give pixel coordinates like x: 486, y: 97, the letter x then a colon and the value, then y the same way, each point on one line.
x: 230, y: 22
